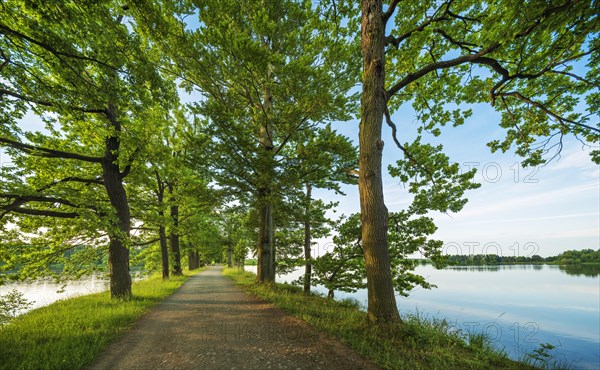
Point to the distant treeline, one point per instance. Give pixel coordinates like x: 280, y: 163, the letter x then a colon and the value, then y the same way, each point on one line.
x: 570, y: 257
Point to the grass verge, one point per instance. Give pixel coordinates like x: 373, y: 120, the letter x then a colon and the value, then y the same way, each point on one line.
x: 69, y: 334
x: 415, y: 344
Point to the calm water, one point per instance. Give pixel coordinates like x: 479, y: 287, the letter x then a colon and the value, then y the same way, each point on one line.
x: 519, y: 307
x: 45, y: 291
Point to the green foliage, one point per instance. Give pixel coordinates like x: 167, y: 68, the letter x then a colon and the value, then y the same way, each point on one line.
x: 573, y: 257
x: 11, y: 304
x: 267, y: 83
x: 343, y: 268
x: 437, y: 184
x: 569, y: 257
x: 543, y: 358
x: 72, y: 332
x: 95, y: 92
x: 536, y: 63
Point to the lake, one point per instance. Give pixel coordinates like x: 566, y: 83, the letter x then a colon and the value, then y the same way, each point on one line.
x: 45, y: 291
x: 519, y: 307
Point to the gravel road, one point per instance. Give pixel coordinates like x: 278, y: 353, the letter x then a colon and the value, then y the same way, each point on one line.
x: 210, y: 323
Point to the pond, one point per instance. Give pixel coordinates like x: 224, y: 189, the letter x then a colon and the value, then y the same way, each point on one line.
x: 518, y: 307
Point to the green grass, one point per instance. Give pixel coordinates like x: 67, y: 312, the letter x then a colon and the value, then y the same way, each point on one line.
x: 415, y: 344
x: 69, y: 334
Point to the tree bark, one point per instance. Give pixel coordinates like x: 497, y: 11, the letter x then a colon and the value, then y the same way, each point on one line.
x: 164, y: 249
x: 162, y: 232
x: 229, y: 254
x: 265, y: 268
x: 266, y: 249
x: 174, y: 235
x: 193, y: 262
x: 374, y: 215
x: 118, y: 253
x: 307, y: 240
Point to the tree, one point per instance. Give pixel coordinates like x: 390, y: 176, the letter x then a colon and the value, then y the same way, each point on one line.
x: 342, y: 268
x: 265, y: 78
x: 408, y: 232
x: 182, y: 196
x: 92, y: 89
x: 11, y: 304
x: 519, y: 57
x: 325, y: 160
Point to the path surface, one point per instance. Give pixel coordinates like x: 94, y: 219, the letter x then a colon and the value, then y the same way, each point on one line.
x: 210, y: 323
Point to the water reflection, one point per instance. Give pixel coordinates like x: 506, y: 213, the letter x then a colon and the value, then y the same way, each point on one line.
x: 581, y: 270
x: 576, y: 270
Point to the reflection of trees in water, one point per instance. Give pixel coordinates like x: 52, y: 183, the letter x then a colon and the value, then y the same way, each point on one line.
x: 579, y: 270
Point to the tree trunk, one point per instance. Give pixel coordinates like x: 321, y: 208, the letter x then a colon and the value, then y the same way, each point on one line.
x: 118, y: 253
x: 162, y: 232
x: 265, y: 268
x: 307, y: 241
x: 174, y: 235
x: 174, y: 241
x: 374, y: 215
x: 266, y: 249
x: 164, y: 249
x: 193, y: 260
x: 229, y: 254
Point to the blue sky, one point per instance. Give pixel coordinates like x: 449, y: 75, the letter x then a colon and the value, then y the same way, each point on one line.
x: 517, y: 211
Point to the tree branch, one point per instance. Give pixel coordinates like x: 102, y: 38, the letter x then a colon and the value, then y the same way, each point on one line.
x: 34, y: 198
x: 127, y: 169
x: 411, y: 77
x: 48, y: 153
x: 148, y: 242
x: 545, y: 109
x: 390, y: 11
x: 52, y: 50
x: 19, y: 200
x: 395, y: 41
x: 47, y: 103
x: 41, y: 212
x: 388, y: 120
x: 97, y: 180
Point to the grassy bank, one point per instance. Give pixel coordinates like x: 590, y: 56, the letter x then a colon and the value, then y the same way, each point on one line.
x: 416, y: 344
x: 69, y: 334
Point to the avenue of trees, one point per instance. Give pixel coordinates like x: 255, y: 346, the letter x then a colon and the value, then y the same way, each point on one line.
x: 193, y: 131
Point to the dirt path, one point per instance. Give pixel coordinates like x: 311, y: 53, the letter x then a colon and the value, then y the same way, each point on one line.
x: 210, y: 323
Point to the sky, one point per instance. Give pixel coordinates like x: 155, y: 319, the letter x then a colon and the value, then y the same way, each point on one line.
x: 517, y: 211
